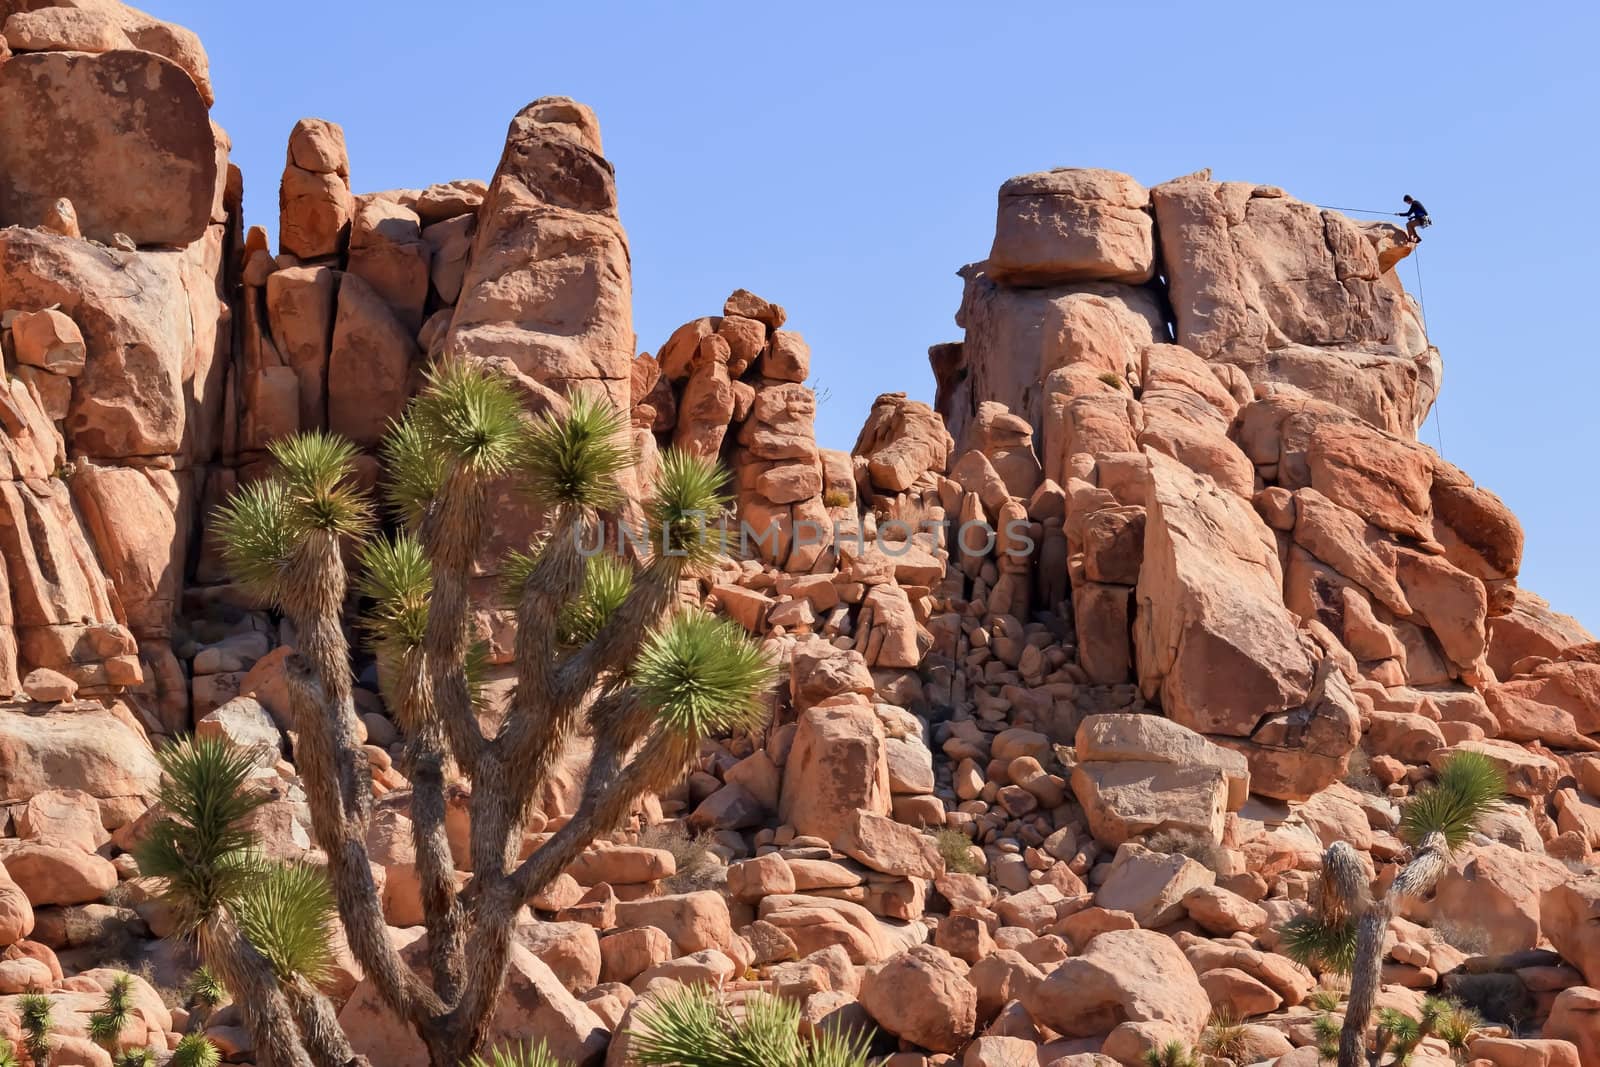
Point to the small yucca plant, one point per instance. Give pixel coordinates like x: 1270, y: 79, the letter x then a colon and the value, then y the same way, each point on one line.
x: 1328, y: 1000
x: 135, y: 1057
x: 1325, y: 1031
x: 106, y: 1024
x: 195, y: 1050
x: 1225, y: 1037
x: 1456, y: 1027
x: 519, y: 1056
x: 37, y: 1018
x: 204, y: 989
x: 1398, y: 1032
x: 8, y: 1054
x: 693, y: 1027
x: 1173, y: 1054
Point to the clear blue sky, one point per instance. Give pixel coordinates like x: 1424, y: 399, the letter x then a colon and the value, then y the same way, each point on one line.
x: 842, y: 159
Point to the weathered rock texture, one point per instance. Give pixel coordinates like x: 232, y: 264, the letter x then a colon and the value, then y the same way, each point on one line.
x: 1159, y: 598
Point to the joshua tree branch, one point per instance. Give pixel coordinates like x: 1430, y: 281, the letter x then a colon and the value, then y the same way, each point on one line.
x: 620, y: 637
x: 610, y: 789
x: 450, y: 534
x: 424, y: 763
x: 326, y: 757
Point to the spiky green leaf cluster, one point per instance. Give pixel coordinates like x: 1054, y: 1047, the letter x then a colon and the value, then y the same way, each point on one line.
x: 397, y: 579
x: 681, y: 516
x: 1399, y: 1033
x: 287, y: 913
x: 106, y: 1022
x: 135, y: 1057
x: 703, y: 676
x: 471, y: 416
x: 200, y: 847
x: 37, y: 1019
x: 204, y: 989
x: 519, y: 1056
x: 1173, y: 1054
x: 413, y: 470
x: 253, y: 529
x: 1225, y: 1037
x: 1325, y: 1000
x: 1326, y: 1032
x: 692, y: 1027
x: 1319, y: 943
x: 195, y: 1050
x: 467, y: 418
x: 260, y: 526
x: 1456, y: 1025
x: 1468, y: 786
x: 606, y: 583
x: 8, y: 1054
x: 316, y: 469
x: 575, y: 459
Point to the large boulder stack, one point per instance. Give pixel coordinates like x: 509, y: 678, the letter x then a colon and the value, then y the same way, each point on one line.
x: 1085, y: 664
x: 115, y: 332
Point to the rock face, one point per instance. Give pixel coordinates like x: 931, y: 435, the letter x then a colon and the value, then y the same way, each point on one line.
x: 547, y: 284
x: 1294, y: 295
x: 1085, y: 663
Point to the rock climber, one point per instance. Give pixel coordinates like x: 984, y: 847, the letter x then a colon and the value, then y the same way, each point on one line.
x: 1416, y: 217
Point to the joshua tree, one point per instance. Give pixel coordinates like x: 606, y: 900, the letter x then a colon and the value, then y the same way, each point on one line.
x: 596, y: 644
x: 1347, y: 931
x: 694, y: 1027
x: 105, y: 1025
x: 37, y: 1020
x: 263, y: 927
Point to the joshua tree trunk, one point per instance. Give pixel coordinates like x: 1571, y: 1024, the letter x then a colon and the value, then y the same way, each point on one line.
x: 1414, y: 879
x: 319, y: 1026
x: 267, y: 1012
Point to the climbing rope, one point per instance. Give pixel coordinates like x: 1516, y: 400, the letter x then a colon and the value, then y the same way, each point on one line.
x: 1422, y: 305
x: 1356, y: 210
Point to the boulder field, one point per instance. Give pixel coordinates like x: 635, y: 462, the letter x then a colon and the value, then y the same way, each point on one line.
x: 1084, y: 664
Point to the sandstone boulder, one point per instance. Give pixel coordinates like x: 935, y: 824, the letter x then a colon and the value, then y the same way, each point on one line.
x: 1151, y: 886
x: 922, y: 996
x: 1214, y: 641
x: 836, y: 769
x: 1121, y: 976
x: 142, y: 158
x: 1073, y: 225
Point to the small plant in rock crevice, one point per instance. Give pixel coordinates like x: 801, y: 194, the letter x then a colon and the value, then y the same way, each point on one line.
x: 956, y: 849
